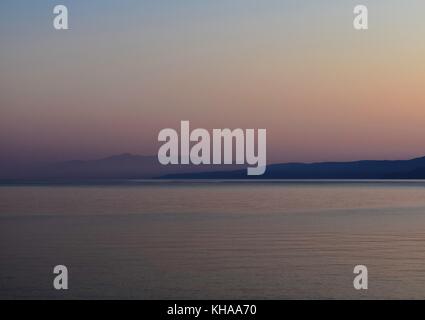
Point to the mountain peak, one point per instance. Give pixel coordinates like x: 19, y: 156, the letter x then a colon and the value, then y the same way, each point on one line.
x: 123, y: 156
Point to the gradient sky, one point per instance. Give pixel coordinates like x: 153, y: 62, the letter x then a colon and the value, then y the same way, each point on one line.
x: 129, y: 68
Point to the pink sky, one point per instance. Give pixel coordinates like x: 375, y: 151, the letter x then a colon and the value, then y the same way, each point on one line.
x: 321, y: 89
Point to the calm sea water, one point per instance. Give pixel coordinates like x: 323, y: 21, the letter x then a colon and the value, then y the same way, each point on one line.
x: 215, y: 240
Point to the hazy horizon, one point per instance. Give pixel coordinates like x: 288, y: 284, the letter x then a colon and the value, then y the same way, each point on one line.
x: 131, y: 154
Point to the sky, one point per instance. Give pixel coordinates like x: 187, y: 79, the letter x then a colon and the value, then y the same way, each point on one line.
x: 127, y: 69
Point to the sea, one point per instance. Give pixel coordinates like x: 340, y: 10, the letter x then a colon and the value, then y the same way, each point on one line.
x: 195, y: 239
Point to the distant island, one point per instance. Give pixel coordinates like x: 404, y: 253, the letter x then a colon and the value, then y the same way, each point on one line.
x: 121, y: 166
x: 365, y: 169
x: 130, y: 166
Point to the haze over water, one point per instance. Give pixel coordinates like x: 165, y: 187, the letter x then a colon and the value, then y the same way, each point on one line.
x: 215, y: 240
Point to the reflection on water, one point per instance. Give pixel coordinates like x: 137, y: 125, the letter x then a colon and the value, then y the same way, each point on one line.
x: 214, y: 240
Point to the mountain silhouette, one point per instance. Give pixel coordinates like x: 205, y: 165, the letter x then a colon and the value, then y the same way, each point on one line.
x: 365, y: 169
x: 130, y: 166
x: 122, y: 166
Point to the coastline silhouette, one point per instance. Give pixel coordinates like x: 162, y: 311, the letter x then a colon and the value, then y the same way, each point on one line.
x: 129, y: 166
